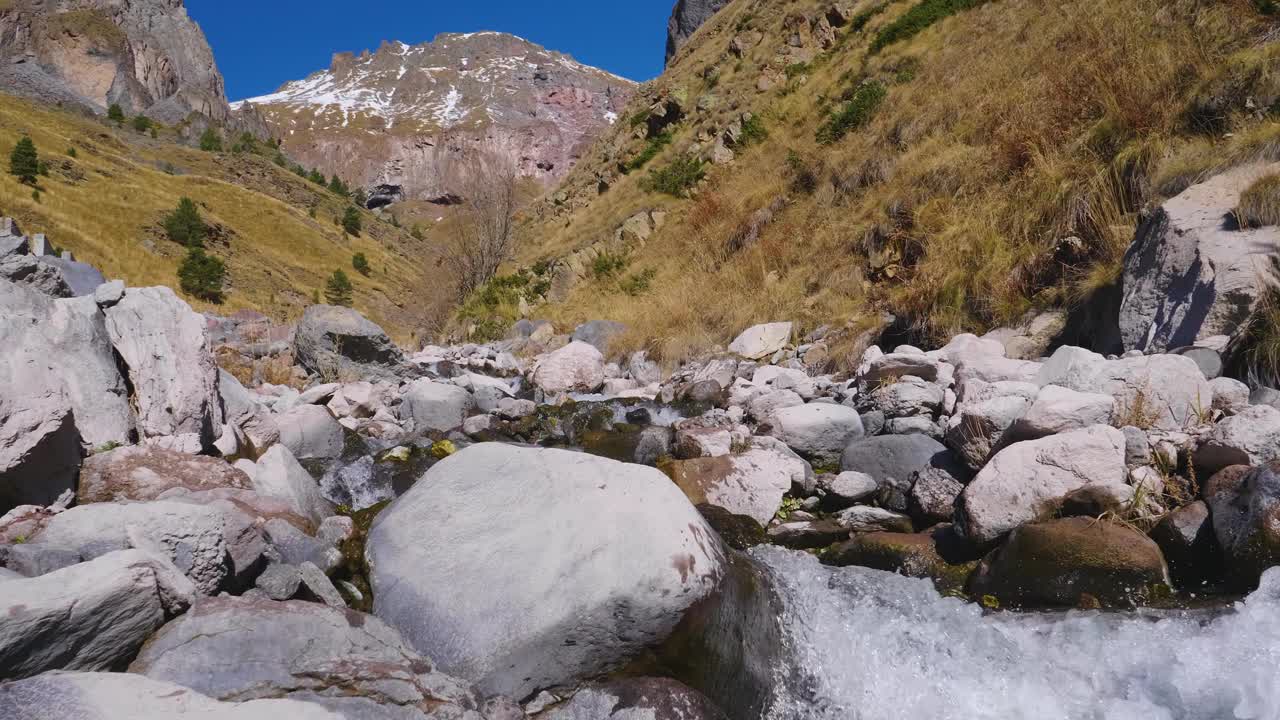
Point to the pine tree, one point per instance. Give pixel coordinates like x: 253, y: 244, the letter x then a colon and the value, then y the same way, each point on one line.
x: 316, y: 177
x: 185, y: 226
x: 338, y: 289
x: 115, y: 114
x: 361, y: 264
x: 351, y: 220
x: 142, y: 123
x: 24, y: 162
x: 202, y: 275
x: 338, y: 187
x: 211, y: 141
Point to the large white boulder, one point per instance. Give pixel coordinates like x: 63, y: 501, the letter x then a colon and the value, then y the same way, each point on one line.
x: 1251, y: 437
x: 90, y: 616
x: 1028, y: 480
x: 1192, y: 272
x: 165, y: 345
x: 520, y: 568
x: 432, y: 405
x: 818, y: 431
x: 279, y: 474
x: 761, y: 341
x: 1162, y: 392
x: 751, y: 483
x: 1058, y: 410
x: 576, y: 367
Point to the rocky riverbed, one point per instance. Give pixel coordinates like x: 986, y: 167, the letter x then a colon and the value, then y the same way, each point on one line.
x: 218, y: 516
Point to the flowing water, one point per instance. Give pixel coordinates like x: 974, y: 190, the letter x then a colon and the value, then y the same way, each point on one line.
x: 868, y: 645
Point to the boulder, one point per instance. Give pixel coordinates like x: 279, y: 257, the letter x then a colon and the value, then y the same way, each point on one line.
x: 1229, y: 396
x: 761, y: 341
x: 807, y: 534
x: 908, y: 399
x: 1073, y: 562
x: 1244, y: 504
x: 310, y: 432
x: 898, y: 364
x: 231, y: 648
x: 1191, y: 272
x: 121, y: 696
x: 576, y: 367
x: 864, y: 519
x: 1165, y: 392
x: 165, y: 345
x: 891, y: 460
x: 993, y: 368
x: 819, y: 432
x: 1251, y: 437
x: 214, y: 544
x: 634, y: 699
x: 1186, y: 538
x: 751, y: 483
x: 280, y: 475
x: 90, y: 616
x: 438, y: 406
x: 142, y: 472
x: 1027, y: 481
x: 940, y: 555
x: 598, y: 334
x: 700, y: 442
x: 35, y: 274
x: 764, y: 405
x: 842, y: 490
x: 521, y: 568
x: 1058, y: 410
x: 978, y: 429
x: 338, y: 343
x: 933, y: 495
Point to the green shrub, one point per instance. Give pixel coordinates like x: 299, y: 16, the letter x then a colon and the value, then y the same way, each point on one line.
x: 753, y: 131
x: 854, y: 113
x: 1267, y: 7
x: 677, y: 178
x: 639, y: 283
x: 24, y: 161
x: 360, y: 197
x: 202, y: 275
x: 607, y: 265
x: 316, y: 177
x: 861, y: 19
x: 142, y: 123
x: 245, y: 143
x: 1260, y: 203
x: 338, y: 187
x: 918, y: 19
x: 351, y: 220
x: 71, y: 152
x: 795, y: 70
x: 650, y: 151
x: 211, y: 141
x: 184, y: 225
x: 115, y: 114
x: 361, y: 264
x: 338, y: 289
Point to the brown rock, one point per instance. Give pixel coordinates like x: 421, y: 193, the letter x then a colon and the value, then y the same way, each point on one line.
x: 142, y: 472
x: 939, y: 554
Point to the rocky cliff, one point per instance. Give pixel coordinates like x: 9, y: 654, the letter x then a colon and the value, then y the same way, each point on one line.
x: 146, y: 55
x: 397, y: 115
x: 686, y: 17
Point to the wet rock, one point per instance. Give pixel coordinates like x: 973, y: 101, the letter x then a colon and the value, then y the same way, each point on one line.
x: 1073, y: 562
x: 472, y: 587
x: 1186, y: 538
x: 1245, y: 508
x: 145, y: 473
x: 738, y: 531
x: 805, y: 534
x: 656, y: 698
x: 90, y: 616
x: 940, y: 555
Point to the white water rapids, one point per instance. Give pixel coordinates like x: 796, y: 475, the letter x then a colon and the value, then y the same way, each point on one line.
x: 869, y: 645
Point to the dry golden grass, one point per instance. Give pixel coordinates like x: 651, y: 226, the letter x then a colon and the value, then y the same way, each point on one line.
x: 1006, y: 130
x: 1260, y: 203
x: 106, y: 203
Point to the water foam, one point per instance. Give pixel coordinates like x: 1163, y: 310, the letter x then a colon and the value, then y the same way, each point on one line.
x: 868, y: 645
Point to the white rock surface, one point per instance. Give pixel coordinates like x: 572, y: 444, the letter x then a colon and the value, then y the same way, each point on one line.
x: 310, y: 432
x: 761, y: 341
x: 817, y: 431
x: 432, y: 405
x: 279, y: 475
x: 1057, y: 410
x: 576, y: 367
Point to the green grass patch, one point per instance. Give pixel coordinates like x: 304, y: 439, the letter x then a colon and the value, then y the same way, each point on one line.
x: 753, y: 131
x: 918, y: 19
x: 650, y: 151
x: 854, y: 113
x: 677, y: 178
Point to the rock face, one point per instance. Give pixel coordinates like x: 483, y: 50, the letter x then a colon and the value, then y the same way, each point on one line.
x: 146, y: 55
x: 338, y: 343
x: 401, y: 115
x: 548, y: 565
x: 165, y: 345
x: 119, y: 696
x: 1028, y: 480
x: 231, y: 648
x: 1191, y: 273
x: 90, y: 616
x: 686, y: 17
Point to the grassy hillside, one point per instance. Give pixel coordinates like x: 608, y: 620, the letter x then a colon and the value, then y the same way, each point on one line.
x: 275, y: 231
x: 954, y: 162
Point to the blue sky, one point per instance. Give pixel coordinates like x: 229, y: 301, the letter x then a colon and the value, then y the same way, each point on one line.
x: 261, y: 44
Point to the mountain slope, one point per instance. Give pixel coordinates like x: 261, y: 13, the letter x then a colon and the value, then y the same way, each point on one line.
x: 386, y: 117
x: 955, y: 164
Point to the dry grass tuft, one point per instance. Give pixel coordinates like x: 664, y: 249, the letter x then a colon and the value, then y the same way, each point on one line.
x: 1260, y: 203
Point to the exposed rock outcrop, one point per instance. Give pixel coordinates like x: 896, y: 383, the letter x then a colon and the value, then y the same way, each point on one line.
x: 686, y: 17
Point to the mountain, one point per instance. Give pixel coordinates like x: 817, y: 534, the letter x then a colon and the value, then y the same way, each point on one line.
x: 686, y: 17
x: 385, y: 117
x: 147, y: 56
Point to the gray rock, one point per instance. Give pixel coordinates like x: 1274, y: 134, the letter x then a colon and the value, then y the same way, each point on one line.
x: 1186, y: 538
x: 142, y: 472
x: 121, y: 696
x: 109, y: 293
x: 642, y: 369
x: 873, y: 422
x: 318, y: 586
x: 1167, y: 391
x: 279, y: 475
x: 916, y: 425
x: 1244, y: 504
x: 867, y: 519
x: 1028, y: 480
x: 1058, y: 410
x: 686, y: 17
x: 165, y: 345
x: 1251, y: 437
x: 818, y: 432
x: 526, y: 581
x: 310, y: 432
x: 35, y: 274
x: 846, y: 488
x: 82, y: 279
x: 898, y: 364
x: 907, y: 399
x: 91, y: 616
x: 761, y: 341
x: 892, y: 460
x: 576, y: 367
x: 751, y: 483
x: 1191, y: 273
x: 231, y: 648
x: 636, y: 699
x: 598, y: 333
x: 280, y: 581
x: 1229, y: 396
x: 1207, y: 359
x: 1137, y: 446
x: 977, y: 430
x: 764, y: 405
x: 338, y: 343
x: 294, y: 547
x: 435, y: 405
x: 933, y: 495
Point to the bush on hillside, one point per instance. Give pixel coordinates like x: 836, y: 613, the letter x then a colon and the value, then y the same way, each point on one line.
x: 142, y: 123
x: 338, y: 289
x: 361, y: 264
x: 338, y: 187
x: 351, y: 220
x: 650, y: 151
x: 677, y: 178
x: 1260, y: 203
x: 211, y: 141
x: 202, y: 276
x: 919, y: 18
x: 184, y: 225
x: 115, y: 114
x: 245, y: 143
x: 753, y: 131
x: 24, y: 161
x: 855, y: 113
